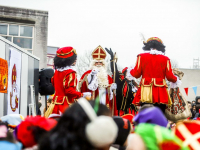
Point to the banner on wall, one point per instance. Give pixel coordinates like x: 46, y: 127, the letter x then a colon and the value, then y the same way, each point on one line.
x: 14, y: 80
x: 3, y: 75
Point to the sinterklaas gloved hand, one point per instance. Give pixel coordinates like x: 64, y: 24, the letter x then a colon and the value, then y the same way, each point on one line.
x: 110, y: 52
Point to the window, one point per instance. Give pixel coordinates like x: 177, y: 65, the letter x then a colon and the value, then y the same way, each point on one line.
x: 13, y: 30
x: 23, y: 42
x: 8, y: 38
x: 21, y: 35
x: 3, y: 29
x: 26, y: 31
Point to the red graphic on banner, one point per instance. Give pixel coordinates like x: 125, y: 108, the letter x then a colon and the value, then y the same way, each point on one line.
x: 13, y: 95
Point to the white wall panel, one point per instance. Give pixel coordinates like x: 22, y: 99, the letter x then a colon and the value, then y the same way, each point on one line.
x: 2, y: 55
x: 24, y: 85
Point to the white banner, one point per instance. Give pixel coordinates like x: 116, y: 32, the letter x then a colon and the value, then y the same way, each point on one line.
x: 14, y: 80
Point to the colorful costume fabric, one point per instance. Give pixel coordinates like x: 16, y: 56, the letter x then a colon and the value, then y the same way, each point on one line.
x: 97, y: 81
x: 153, y: 88
x: 65, y: 83
x: 64, y: 80
x: 124, y: 93
x: 25, y: 132
x: 83, y: 84
x: 188, y: 132
x: 159, y: 138
x: 179, y: 109
x: 151, y: 115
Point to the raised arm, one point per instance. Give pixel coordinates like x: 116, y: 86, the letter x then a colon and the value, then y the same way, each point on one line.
x: 117, y: 76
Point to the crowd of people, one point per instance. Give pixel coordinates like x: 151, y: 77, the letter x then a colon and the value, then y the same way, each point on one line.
x: 194, y: 108
x: 109, y: 113
x: 88, y: 125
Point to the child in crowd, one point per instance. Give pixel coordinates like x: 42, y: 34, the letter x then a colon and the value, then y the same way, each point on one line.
x: 79, y: 128
x: 193, y: 111
x: 7, y: 140
x: 189, y: 104
x: 48, y: 104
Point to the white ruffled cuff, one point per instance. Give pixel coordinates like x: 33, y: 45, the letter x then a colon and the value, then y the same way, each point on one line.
x: 128, y: 74
x: 134, y: 89
x: 111, y: 94
x: 94, y: 83
x: 86, y: 94
x: 176, y: 84
x: 112, y: 87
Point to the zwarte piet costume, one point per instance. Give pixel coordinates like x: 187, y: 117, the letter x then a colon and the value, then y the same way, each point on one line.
x: 154, y: 67
x: 64, y: 79
x: 125, y: 91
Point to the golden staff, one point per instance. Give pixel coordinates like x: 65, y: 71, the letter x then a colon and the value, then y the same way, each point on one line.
x: 113, y: 103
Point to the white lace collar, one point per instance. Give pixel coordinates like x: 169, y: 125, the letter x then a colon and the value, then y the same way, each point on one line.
x: 66, y: 68
x: 154, y: 52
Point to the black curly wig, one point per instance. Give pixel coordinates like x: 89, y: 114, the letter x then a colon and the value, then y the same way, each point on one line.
x: 63, y: 62
x: 69, y: 134
x: 155, y: 45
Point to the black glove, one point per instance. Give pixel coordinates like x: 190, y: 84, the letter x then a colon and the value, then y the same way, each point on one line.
x: 110, y: 52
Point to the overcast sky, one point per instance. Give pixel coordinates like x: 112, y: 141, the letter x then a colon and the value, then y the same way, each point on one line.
x: 85, y: 24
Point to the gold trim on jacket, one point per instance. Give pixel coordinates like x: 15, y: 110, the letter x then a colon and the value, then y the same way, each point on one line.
x: 147, y: 90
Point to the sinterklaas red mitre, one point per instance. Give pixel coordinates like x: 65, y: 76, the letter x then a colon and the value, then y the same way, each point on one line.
x: 99, y: 53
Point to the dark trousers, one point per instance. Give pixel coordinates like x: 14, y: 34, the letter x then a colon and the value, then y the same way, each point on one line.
x: 161, y: 106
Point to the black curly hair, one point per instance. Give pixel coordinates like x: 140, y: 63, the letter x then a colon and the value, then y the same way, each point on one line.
x: 155, y: 45
x: 70, y: 131
x: 63, y: 62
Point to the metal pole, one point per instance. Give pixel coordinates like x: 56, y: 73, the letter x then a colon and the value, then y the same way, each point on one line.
x: 46, y: 102
x: 113, y: 103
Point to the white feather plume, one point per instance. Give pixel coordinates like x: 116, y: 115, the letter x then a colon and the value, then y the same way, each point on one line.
x: 142, y: 37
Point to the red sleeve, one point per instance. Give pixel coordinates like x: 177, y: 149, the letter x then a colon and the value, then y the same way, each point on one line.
x: 83, y: 85
x: 137, y: 71
x: 70, y: 83
x: 110, y: 80
x: 169, y: 74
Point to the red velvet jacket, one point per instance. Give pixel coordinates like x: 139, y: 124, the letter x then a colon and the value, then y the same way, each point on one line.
x: 153, y: 69
x: 65, y: 83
